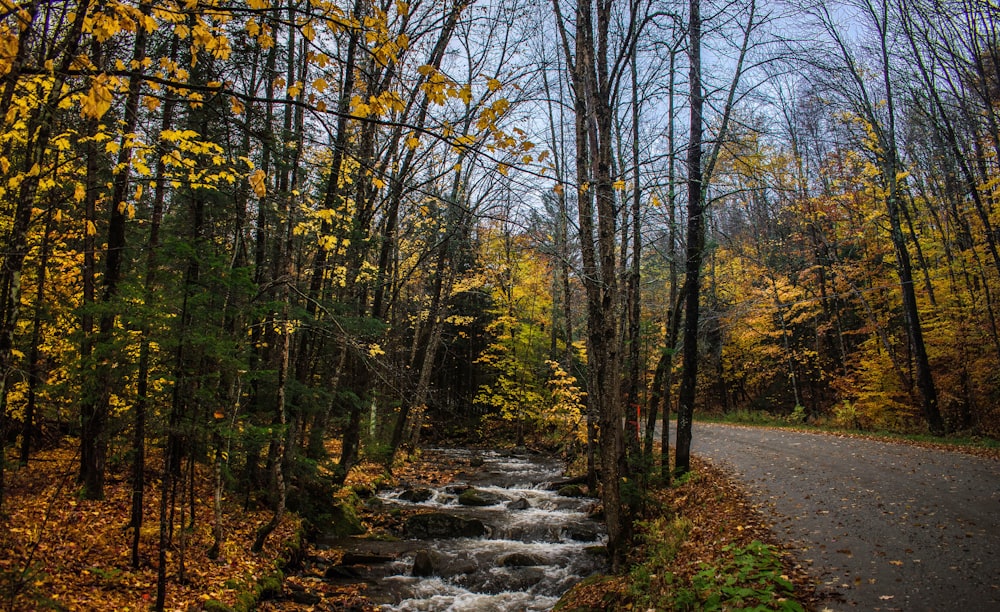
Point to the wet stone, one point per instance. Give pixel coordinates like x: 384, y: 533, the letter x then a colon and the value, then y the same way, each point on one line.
x: 476, y: 497
x: 423, y: 565
x: 416, y: 496
x: 582, y: 535
x: 341, y: 572
x: 571, y: 491
x: 441, y: 525
x: 519, y: 504
x: 519, y: 560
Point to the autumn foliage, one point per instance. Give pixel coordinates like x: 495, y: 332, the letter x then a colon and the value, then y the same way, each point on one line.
x: 64, y: 552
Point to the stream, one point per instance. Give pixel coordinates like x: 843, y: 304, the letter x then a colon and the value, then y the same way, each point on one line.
x: 496, y: 538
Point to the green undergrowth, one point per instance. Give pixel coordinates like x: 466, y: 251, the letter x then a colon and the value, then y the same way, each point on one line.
x: 741, y: 578
x: 699, y: 547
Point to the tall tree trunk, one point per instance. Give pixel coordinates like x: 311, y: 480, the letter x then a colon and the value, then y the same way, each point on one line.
x: 633, y: 301
x: 891, y: 169
x: 95, y: 415
x: 695, y: 247
x: 142, y: 383
x: 34, y: 350
x: 673, y: 316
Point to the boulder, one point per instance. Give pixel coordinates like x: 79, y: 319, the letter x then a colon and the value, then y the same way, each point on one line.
x: 341, y: 521
x: 582, y: 534
x: 423, y: 565
x: 475, y: 497
x: 341, y: 572
x: 519, y: 559
x: 416, y: 496
x: 440, y: 525
x: 519, y: 504
x: 571, y: 490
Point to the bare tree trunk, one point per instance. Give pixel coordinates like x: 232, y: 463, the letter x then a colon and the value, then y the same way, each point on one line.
x: 633, y: 301
x: 695, y: 247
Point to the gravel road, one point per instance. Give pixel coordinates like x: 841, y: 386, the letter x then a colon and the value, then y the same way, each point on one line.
x: 882, y: 526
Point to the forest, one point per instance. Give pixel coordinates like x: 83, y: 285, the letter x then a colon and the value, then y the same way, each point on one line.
x: 239, y: 234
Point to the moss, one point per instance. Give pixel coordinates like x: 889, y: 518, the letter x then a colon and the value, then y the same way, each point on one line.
x: 269, y: 585
x: 213, y: 605
x: 342, y: 521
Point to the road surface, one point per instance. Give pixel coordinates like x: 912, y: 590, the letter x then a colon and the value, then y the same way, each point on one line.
x: 882, y: 526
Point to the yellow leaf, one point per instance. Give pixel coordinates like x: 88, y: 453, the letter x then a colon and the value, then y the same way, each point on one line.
x: 308, y: 31
x: 80, y: 192
x: 378, y: 183
x: 493, y: 84
x: 258, y: 184
x: 502, y: 168
x: 97, y: 101
x: 558, y: 189
x: 412, y: 142
x: 320, y: 85
x: 619, y: 185
x: 236, y: 106
x: 91, y: 228
x: 4, y: 164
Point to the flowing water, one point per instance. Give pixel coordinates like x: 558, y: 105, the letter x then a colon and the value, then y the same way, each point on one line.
x: 536, y: 543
